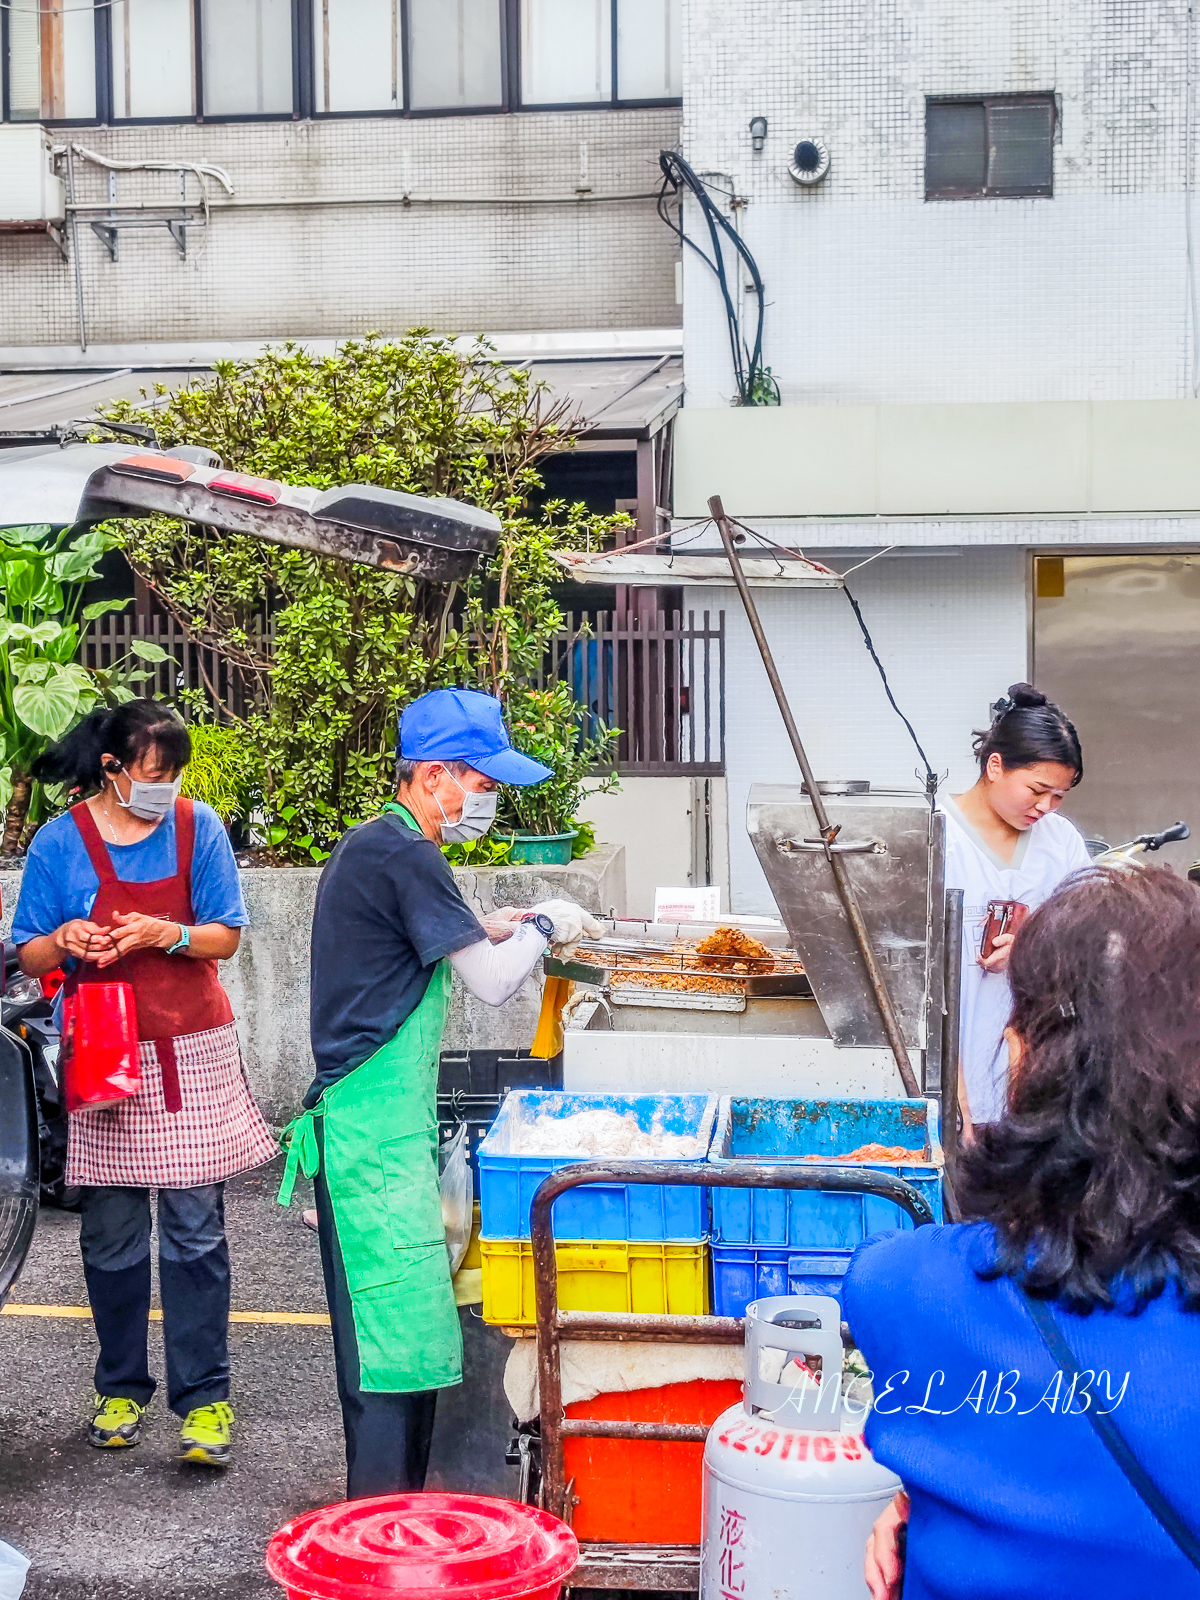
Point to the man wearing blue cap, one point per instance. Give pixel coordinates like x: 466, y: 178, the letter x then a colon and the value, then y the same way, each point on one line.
x: 389, y: 928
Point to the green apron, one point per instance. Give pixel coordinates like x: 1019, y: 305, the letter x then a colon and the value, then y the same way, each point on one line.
x: 381, y: 1168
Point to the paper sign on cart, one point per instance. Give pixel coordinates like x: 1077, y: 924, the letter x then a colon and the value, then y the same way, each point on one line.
x: 687, y: 905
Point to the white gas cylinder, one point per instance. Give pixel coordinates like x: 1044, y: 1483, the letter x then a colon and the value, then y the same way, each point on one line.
x: 790, y: 1488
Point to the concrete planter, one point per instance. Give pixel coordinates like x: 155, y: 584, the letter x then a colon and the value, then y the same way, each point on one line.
x: 268, y: 978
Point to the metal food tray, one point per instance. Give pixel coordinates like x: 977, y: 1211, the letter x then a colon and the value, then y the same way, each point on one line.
x: 670, y: 963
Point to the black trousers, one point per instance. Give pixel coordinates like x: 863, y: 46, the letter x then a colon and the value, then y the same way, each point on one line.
x: 388, y: 1436
x: 193, y: 1260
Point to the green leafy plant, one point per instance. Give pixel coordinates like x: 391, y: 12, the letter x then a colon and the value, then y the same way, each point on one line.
x: 549, y: 725
x: 585, y: 838
x: 43, y: 689
x: 223, y: 770
x: 490, y: 851
x: 326, y: 654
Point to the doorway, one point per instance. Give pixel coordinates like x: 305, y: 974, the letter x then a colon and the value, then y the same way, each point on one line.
x: 1116, y: 642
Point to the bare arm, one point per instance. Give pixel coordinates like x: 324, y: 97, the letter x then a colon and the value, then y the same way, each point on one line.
x: 87, y: 941
x: 210, y: 941
x: 84, y: 940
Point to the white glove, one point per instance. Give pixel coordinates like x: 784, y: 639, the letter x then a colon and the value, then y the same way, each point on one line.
x: 571, y: 924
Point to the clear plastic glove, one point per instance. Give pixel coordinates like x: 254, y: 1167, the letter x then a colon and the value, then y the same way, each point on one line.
x: 571, y: 924
x: 499, y: 925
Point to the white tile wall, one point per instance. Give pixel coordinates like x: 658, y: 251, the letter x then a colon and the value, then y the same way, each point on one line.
x: 950, y: 631
x: 291, y: 269
x: 874, y: 294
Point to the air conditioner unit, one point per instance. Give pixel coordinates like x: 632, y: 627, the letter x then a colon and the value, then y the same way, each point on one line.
x: 29, y: 189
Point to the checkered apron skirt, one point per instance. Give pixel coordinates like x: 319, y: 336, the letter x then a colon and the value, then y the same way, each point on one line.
x: 217, y: 1131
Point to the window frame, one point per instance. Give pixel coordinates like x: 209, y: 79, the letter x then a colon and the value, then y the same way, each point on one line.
x: 1047, y: 97
x: 304, y: 106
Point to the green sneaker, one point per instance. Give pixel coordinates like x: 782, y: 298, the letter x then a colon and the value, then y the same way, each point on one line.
x: 116, y: 1422
x: 204, y: 1437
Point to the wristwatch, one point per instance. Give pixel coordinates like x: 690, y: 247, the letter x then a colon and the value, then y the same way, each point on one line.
x: 542, y: 923
x: 181, y: 944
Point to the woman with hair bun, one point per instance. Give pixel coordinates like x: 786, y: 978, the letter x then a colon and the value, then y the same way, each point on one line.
x: 1004, y: 842
x: 136, y: 884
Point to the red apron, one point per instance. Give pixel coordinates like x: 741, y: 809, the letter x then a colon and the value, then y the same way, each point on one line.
x: 194, y: 1121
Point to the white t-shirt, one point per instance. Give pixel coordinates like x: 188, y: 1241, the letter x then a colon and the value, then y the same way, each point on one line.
x: 1048, y: 852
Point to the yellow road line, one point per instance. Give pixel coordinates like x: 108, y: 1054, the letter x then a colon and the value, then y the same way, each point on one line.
x: 302, y: 1319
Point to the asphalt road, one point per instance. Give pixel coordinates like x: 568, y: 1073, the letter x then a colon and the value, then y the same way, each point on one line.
x: 134, y: 1525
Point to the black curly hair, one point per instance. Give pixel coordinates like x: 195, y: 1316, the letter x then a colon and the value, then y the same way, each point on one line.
x: 1092, y: 1178
x: 1026, y: 729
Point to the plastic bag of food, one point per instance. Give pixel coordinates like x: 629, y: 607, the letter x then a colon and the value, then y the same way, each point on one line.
x: 458, y: 1195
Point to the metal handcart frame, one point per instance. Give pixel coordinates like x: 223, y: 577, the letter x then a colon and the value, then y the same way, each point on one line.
x: 666, y: 1568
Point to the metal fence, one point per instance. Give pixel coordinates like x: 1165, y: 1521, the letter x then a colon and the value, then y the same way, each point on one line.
x: 659, y: 679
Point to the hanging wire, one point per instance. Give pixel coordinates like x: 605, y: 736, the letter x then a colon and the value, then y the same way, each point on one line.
x: 931, y: 781
x: 931, y: 778
x: 755, y: 385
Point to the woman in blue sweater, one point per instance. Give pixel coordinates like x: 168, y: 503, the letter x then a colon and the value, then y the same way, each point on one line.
x: 1087, y: 1195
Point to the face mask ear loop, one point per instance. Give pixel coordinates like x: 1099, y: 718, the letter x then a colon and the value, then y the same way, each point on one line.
x: 112, y: 777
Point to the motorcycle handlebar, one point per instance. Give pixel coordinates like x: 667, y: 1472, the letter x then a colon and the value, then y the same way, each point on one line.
x: 1172, y: 835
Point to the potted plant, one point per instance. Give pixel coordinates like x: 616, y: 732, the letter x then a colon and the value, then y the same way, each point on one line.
x: 548, y: 724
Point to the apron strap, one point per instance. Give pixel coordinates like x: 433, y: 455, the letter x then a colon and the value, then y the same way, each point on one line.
x: 168, y: 1065
x: 95, y: 846
x: 185, y: 841
x: 299, y: 1139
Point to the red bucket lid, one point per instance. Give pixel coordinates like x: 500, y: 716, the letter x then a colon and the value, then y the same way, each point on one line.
x: 422, y: 1545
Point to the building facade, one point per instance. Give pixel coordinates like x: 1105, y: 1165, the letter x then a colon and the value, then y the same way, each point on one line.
x: 980, y: 320
x: 335, y: 166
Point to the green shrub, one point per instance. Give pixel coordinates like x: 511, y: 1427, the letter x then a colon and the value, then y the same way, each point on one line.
x: 223, y: 771
x: 352, y: 645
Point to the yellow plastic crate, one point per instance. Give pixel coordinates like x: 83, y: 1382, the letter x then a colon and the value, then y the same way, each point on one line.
x: 625, y: 1275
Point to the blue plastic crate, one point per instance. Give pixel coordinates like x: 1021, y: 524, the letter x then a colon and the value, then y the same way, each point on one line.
x: 742, y: 1273
x: 662, y: 1212
x: 789, y: 1130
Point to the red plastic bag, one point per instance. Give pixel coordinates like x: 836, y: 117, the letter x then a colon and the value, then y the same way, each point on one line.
x: 100, y: 1039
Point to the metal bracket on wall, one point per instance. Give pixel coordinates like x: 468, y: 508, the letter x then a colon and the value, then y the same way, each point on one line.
x: 177, y: 220
x: 108, y: 231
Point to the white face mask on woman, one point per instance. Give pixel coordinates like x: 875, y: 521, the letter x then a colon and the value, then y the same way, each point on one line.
x: 477, y: 815
x: 149, y: 802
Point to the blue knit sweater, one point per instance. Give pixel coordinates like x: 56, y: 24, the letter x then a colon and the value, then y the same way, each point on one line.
x: 1012, y: 1498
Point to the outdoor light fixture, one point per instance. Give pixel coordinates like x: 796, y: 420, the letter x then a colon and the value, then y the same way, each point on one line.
x: 758, y: 133
x: 810, y: 161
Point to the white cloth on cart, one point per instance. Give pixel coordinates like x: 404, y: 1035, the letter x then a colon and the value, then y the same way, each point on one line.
x: 600, y: 1367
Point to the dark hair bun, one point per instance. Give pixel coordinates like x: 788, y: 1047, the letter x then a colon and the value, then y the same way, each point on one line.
x: 1027, y: 729
x: 1025, y: 695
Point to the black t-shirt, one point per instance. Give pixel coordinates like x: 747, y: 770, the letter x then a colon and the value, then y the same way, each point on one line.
x: 388, y: 909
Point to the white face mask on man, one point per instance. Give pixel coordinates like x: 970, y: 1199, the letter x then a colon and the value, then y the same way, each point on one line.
x: 477, y: 815
x: 149, y: 802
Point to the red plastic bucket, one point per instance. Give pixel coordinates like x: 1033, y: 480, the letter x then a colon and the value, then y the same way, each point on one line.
x: 101, y: 1038
x: 422, y: 1546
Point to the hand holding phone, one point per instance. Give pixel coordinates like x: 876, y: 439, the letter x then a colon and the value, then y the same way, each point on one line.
x: 1003, y: 917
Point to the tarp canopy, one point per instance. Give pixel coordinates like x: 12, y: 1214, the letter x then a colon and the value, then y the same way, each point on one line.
x: 641, y: 569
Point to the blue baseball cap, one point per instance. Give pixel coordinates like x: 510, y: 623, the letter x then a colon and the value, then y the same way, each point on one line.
x: 465, y: 725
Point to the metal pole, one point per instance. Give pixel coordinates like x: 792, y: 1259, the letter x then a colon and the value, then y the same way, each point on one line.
x: 75, y: 249
x: 951, y: 1021
x: 841, y: 878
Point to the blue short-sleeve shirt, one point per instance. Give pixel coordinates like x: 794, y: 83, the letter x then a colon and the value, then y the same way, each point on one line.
x: 59, y: 881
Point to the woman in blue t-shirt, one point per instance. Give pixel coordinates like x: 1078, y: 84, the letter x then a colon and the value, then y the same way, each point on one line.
x: 135, y: 884
x: 1087, y: 1193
